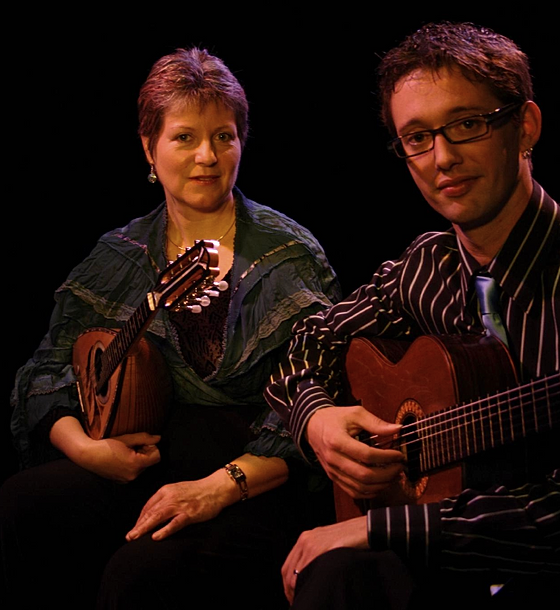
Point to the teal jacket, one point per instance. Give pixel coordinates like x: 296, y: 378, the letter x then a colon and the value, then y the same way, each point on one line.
x: 280, y: 274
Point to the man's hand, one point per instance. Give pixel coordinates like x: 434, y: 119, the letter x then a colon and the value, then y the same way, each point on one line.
x: 360, y: 470
x: 311, y: 544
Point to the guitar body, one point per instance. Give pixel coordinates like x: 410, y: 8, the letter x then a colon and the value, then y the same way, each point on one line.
x: 136, y: 396
x: 404, y: 382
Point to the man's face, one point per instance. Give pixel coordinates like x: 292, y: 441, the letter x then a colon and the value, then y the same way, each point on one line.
x: 468, y: 183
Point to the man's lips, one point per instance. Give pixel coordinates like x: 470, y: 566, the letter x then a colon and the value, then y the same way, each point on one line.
x: 456, y: 186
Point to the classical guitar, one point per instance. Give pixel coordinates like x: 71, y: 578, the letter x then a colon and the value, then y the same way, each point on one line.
x: 455, y: 396
x: 123, y: 383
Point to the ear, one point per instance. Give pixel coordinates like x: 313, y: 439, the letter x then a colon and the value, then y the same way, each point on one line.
x: 530, y: 129
x: 146, y: 147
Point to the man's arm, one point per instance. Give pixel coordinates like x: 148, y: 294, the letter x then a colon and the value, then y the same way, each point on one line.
x: 308, y: 384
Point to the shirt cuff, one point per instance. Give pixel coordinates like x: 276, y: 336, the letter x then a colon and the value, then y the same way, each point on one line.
x: 308, y: 400
x: 413, y: 532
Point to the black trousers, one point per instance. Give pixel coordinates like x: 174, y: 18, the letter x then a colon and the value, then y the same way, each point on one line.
x: 62, y: 534
x: 358, y: 579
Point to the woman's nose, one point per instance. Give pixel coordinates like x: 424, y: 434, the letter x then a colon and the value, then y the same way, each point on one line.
x: 205, y: 153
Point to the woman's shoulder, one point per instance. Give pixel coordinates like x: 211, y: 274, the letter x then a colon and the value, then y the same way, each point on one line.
x: 270, y: 220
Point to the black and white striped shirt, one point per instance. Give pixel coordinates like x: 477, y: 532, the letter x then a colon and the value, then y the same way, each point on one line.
x: 429, y: 290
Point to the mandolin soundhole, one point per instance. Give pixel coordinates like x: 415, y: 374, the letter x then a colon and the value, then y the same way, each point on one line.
x: 97, y: 367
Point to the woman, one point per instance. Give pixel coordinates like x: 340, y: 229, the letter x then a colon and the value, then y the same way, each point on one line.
x: 149, y: 520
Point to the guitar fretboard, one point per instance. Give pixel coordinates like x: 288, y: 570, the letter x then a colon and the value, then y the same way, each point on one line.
x: 452, y: 434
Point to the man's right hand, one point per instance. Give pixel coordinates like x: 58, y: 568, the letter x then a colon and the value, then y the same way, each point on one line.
x: 360, y: 470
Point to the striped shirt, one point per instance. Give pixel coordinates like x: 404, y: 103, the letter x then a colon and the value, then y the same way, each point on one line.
x: 511, y: 529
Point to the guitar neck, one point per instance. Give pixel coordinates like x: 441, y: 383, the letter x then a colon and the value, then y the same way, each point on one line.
x: 452, y: 434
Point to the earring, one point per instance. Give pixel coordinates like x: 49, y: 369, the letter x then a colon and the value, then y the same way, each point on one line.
x: 152, y: 178
x: 526, y: 154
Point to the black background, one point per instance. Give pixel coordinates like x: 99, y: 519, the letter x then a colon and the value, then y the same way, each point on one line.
x: 74, y: 167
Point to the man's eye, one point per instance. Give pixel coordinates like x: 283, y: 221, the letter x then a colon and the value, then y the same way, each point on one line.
x: 415, y: 139
x: 472, y: 124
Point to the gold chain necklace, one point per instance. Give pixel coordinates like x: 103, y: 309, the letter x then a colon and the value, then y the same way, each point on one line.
x: 219, y: 238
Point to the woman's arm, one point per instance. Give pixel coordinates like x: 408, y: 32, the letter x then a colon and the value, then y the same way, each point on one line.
x: 181, y: 504
x: 121, y: 458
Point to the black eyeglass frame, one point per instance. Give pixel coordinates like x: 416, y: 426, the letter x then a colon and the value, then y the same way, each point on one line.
x: 395, y: 145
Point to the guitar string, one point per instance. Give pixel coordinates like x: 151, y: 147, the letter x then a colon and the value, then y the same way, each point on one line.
x: 492, y: 410
x: 419, y: 435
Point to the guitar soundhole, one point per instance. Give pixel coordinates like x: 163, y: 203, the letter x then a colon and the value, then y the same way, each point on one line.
x: 413, y: 484
x: 411, y: 448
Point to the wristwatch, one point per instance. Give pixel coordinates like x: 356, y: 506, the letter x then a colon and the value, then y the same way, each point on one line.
x: 238, y: 476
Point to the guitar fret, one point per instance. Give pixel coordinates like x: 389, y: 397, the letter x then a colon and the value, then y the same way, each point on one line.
x: 436, y: 440
x: 454, y: 433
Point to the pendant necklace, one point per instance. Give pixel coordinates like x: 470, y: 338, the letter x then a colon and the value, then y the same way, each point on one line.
x: 182, y: 249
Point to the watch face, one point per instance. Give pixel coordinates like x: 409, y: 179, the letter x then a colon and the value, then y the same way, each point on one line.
x: 237, y: 474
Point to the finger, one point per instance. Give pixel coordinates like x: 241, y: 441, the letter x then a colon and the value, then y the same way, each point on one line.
x: 176, y: 524
x: 366, y: 486
x: 289, y: 577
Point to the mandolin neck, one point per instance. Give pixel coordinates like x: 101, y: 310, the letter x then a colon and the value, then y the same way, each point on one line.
x: 119, y: 348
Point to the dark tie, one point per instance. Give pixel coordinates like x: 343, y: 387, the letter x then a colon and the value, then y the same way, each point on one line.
x: 489, y: 297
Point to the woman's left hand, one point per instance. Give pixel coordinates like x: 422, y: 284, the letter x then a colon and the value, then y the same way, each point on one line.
x: 179, y: 504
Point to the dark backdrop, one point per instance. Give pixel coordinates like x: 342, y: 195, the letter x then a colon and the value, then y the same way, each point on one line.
x: 74, y: 167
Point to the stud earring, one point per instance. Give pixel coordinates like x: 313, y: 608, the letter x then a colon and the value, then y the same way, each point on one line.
x: 152, y: 178
x: 526, y: 154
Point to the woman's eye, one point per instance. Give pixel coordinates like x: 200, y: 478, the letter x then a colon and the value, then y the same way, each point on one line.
x: 225, y: 137
x: 184, y: 137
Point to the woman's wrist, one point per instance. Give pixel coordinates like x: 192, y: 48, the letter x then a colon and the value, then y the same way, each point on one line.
x: 238, y: 477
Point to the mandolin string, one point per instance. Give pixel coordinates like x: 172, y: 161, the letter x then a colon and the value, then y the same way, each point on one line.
x: 431, y: 424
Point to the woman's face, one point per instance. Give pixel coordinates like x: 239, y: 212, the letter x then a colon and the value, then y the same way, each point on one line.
x: 197, y: 157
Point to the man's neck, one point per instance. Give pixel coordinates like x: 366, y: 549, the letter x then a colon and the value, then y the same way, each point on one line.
x: 484, y: 242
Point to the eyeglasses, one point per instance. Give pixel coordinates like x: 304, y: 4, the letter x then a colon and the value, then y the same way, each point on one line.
x: 456, y: 132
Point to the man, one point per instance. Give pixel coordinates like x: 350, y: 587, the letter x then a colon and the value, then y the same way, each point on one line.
x: 458, y: 102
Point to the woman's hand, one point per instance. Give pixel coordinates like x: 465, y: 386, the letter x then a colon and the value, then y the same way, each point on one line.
x: 315, y: 542
x: 122, y: 458
x: 119, y: 459
x: 360, y: 470
x: 179, y: 504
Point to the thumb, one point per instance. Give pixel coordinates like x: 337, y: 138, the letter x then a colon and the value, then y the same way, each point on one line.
x: 376, y: 425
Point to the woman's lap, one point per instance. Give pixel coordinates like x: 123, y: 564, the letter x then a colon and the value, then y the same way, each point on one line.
x: 62, y: 526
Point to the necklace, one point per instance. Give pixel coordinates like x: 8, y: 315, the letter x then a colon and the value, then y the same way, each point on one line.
x: 219, y: 238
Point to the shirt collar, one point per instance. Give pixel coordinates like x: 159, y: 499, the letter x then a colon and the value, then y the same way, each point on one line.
x: 519, y: 263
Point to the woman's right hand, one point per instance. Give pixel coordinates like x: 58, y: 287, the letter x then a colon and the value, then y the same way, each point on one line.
x: 120, y: 459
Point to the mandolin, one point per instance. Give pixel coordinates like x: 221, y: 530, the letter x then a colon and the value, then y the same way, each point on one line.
x: 122, y: 380
x: 455, y: 396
